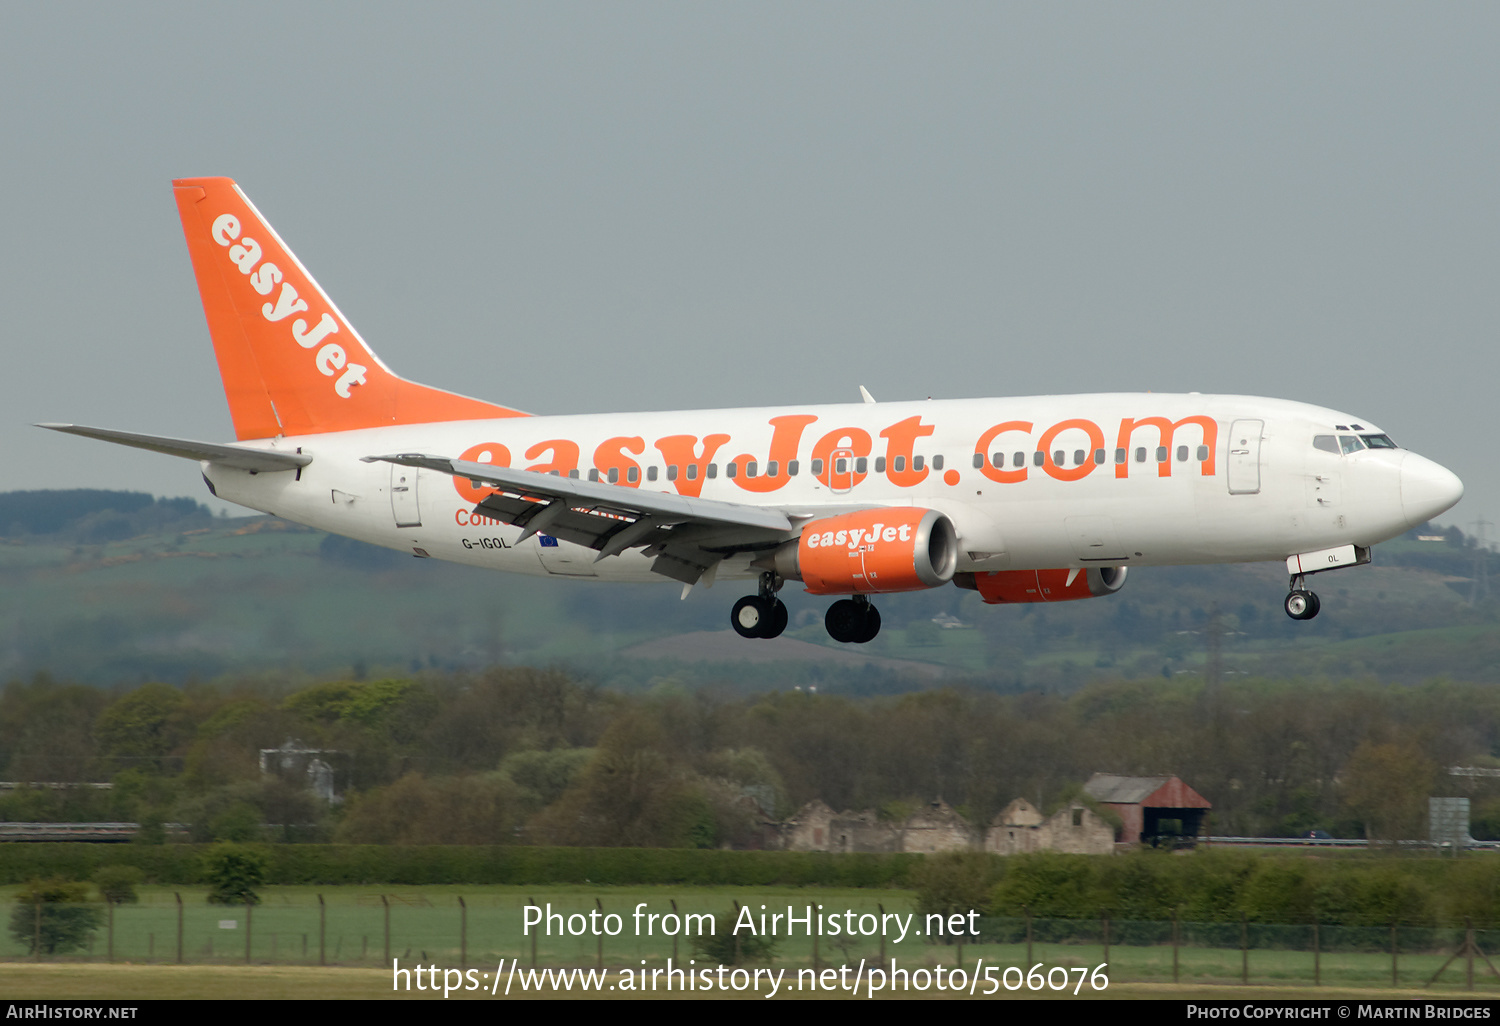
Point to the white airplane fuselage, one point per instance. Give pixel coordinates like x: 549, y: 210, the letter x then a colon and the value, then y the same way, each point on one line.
x: 1216, y: 498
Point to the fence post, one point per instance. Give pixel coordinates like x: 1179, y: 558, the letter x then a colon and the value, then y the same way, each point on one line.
x: 1469, y: 953
x: 1393, y: 954
x: 322, y: 931
x: 674, y: 936
x: 178, y: 896
x: 110, y: 954
x: 1317, y: 958
x: 1174, y: 945
x: 1027, y: 913
x: 463, y: 934
x: 1244, y: 949
x: 36, y: 937
x: 881, y: 906
x: 386, y: 902
x: 247, y: 931
x: 737, y: 934
x: 533, y: 940
x: 600, y: 964
x: 1105, y: 916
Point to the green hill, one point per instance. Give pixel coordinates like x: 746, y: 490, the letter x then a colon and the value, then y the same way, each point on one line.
x: 108, y: 587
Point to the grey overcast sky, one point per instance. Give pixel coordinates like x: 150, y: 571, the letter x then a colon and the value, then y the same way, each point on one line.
x: 623, y: 206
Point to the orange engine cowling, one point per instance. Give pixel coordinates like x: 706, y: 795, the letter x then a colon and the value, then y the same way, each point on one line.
x: 903, y: 548
x: 1044, y: 585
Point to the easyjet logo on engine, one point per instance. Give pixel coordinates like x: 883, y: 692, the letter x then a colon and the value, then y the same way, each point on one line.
x: 853, y: 538
x: 330, y: 359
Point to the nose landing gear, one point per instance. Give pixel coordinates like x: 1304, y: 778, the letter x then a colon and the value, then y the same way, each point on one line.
x: 852, y: 620
x: 1300, y: 603
x: 762, y: 615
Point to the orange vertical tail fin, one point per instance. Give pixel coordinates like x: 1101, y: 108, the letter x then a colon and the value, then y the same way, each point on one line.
x: 291, y: 363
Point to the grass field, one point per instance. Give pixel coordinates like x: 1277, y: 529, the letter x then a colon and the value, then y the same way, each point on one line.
x: 429, y: 926
x: 231, y: 983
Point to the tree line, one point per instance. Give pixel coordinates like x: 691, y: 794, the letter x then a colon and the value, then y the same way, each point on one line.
x: 519, y: 755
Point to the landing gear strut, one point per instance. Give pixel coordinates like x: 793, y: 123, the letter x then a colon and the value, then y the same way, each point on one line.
x: 852, y: 619
x: 762, y: 615
x: 1300, y: 603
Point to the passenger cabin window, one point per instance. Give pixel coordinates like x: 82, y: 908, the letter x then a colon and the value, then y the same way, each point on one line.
x: 1350, y: 443
x: 1140, y: 454
x: 1019, y: 459
x: 1327, y: 443
x: 614, y: 475
x: 1078, y: 457
x: 1119, y: 455
x: 713, y: 470
x: 1161, y: 454
x: 1182, y: 452
x: 772, y: 469
x: 979, y: 460
x: 817, y: 467
x: 750, y: 469
x: 916, y: 463
x: 1202, y: 454
x: 899, y: 463
x: 573, y: 473
x: 1038, y: 458
x: 651, y: 473
x: 633, y: 474
x: 792, y: 466
x: 731, y: 469
x: 937, y: 463
x: 841, y: 465
x: 1099, y: 455
x: 672, y: 472
x: 594, y: 474
x: 692, y: 471
x: 861, y: 464
x: 880, y: 464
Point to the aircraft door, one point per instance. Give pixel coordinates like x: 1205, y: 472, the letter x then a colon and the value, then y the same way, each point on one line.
x: 841, y: 470
x: 404, y: 496
x: 1244, y: 456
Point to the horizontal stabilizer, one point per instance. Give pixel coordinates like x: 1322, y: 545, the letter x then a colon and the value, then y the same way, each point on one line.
x: 224, y: 455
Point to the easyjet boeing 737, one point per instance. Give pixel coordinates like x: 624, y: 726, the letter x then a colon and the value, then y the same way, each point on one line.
x: 1036, y: 499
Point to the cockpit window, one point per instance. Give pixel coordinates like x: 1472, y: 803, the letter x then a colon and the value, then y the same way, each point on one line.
x: 1379, y: 442
x: 1350, y: 443
x: 1327, y: 443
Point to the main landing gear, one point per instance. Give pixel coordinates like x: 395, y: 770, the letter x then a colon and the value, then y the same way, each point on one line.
x: 1300, y: 603
x: 762, y: 615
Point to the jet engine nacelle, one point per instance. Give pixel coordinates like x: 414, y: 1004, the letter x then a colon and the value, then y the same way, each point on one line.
x: 1044, y: 585
x: 902, y: 548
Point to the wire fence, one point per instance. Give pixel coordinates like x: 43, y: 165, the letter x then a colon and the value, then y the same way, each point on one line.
x: 481, y: 932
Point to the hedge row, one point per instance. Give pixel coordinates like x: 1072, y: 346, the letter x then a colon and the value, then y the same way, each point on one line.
x: 430, y: 865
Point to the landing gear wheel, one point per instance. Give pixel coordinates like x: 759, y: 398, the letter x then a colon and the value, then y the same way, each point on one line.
x: 843, y: 621
x: 852, y: 620
x: 1302, y: 605
x: 776, y: 622
x: 751, y: 615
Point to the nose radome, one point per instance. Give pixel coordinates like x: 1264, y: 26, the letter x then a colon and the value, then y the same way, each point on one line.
x: 1427, y: 489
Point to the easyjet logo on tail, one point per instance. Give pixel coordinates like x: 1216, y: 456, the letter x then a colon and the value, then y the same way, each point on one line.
x: 330, y: 358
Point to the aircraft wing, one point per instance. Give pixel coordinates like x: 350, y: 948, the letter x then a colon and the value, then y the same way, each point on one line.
x: 687, y: 536
x: 256, y: 460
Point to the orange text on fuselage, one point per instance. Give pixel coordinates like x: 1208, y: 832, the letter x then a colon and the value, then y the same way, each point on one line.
x: 1007, y: 452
